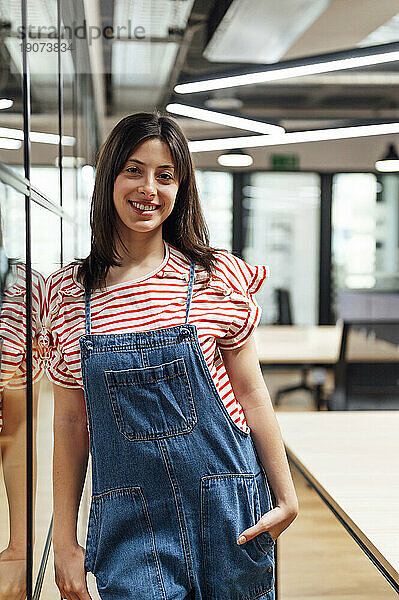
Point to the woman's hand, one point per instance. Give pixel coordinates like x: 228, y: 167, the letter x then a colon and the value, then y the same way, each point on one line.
x: 70, y: 575
x: 275, y: 521
x: 12, y: 575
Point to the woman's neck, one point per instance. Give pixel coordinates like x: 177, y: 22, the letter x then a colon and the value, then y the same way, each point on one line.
x: 141, y: 260
x: 141, y: 248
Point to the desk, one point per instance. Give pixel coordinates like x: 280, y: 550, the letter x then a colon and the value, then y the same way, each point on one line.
x: 301, y: 347
x: 295, y: 345
x: 351, y: 459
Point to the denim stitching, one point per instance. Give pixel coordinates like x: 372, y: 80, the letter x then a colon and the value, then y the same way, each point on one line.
x: 205, y: 481
x: 131, y: 383
x: 191, y: 420
x: 154, y: 550
x: 129, y: 491
x: 180, y: 514
x: 114, y: 492
x: 91, y: 539
x: 259, y: 594
x: 258, y: 508
x: 203, y: 541
x: 264, y: 549
x: 142, y: 343
x: 178, y: 362
x: 222, y: 475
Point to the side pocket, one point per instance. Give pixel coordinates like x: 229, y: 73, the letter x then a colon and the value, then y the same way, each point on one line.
x: 229, y: 506
x: 91, y: 538
x: 126, y: 559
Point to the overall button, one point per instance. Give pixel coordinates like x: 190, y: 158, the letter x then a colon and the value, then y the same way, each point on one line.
x: 89, y: 345
x: 270, y: 569
x: 185, y: 332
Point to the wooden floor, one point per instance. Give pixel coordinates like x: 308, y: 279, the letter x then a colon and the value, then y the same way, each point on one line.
x: 317, y: 558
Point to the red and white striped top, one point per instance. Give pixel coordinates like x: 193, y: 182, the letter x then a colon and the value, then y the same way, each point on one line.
x: 222, y: 309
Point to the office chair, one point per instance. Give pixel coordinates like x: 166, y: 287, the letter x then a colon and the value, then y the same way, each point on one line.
x: 366, y: 382
x: 284, y: 317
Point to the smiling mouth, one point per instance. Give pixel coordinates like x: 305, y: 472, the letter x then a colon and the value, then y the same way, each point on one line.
x: 143, y: 207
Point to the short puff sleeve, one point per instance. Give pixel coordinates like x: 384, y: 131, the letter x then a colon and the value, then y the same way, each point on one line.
x: 243, y: 280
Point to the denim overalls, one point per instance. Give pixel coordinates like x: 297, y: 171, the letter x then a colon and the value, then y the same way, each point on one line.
x: 174, y: 480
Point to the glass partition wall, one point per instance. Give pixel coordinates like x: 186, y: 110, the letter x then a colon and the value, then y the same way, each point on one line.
x: 365, y: 245
x: 44, y: 223
x: 281, y: 213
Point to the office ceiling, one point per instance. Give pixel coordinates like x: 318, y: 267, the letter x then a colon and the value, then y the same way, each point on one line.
x: 181, y: 40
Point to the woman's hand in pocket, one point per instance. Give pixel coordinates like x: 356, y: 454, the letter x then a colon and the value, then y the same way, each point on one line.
x: 275, y: 521
x: 70, y: 574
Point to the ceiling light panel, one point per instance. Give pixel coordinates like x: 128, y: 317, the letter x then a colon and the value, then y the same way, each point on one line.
x: 156, y: 16
x: 223, y: 119
x: 385, y: 34
x: 372, y: 57
x: 296, y: 137
x: 43, y: 66
x: 137, y: 64
x: 261, y: 32
x: 40, y: 13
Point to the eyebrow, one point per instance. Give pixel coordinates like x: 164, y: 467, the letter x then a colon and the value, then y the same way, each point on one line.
x: 139, y: 162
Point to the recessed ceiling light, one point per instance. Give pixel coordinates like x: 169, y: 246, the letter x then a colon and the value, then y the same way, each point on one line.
x: 235, y: 158
x: 389, y: 162
x: 224, y: 103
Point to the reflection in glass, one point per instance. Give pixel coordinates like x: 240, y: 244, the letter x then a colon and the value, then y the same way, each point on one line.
x: 282, y: 231
x: 215, y: 190
x: 13, y: 384
x: 11, y: 84
x: 353, y: 230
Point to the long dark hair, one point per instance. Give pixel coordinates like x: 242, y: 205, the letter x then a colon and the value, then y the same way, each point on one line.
x: 185, y: 228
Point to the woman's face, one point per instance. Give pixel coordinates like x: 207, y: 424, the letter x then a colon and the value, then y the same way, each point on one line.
x: 146, y: 188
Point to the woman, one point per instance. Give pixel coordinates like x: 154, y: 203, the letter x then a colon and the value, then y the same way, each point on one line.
x: 163, y: 323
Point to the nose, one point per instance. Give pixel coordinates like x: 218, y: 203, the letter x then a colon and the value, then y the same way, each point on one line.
x: 147, y: 188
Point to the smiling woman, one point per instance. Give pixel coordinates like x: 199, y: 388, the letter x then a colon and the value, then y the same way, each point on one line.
x: 155, y: 326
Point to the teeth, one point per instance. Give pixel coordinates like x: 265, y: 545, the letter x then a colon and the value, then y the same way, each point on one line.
x: 143, y: 206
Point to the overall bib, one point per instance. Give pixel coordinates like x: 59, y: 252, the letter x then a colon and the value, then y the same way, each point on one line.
x: 174, y: 480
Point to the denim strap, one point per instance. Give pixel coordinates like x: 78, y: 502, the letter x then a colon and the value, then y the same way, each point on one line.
x: 87, y: 311
x: 190, y: 289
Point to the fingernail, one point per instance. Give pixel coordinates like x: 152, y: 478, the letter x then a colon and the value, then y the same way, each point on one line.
x: 241, y: 539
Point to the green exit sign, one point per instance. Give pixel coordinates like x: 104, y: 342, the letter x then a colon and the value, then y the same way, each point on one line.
x: 284, y: 162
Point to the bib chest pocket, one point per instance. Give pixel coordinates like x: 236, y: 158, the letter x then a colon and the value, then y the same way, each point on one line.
x: 151, y: 403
